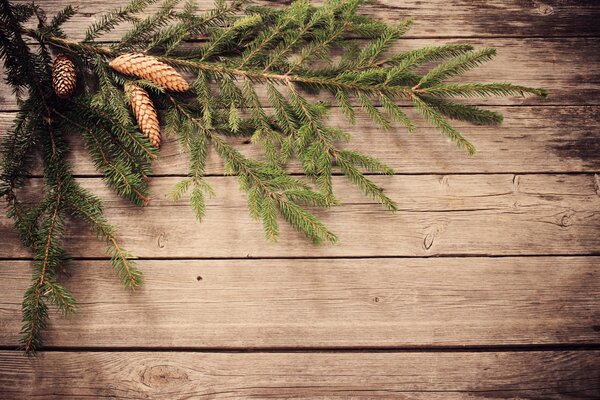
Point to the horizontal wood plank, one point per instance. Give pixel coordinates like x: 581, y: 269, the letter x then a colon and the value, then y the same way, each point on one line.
x: 325, y: 303
x: 532, y: 139
x: 568, y: 68
x: 419, y: 376
x: 439, y: 215
x: 463, y: 18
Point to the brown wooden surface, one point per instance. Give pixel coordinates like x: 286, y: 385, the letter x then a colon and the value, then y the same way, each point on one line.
x: 432, y: 19
x: 415, y: 376
x: 569, y: 68
x: 483, y: 286
x: 440, y: 215
x: 532, y: 139
x: 324, y: 303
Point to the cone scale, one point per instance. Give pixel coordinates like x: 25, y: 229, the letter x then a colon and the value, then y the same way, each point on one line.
x: 145, y: 113
x: 64, y: 76
x: 149, y: 68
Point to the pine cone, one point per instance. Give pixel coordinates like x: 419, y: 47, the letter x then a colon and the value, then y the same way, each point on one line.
x: 149, y: 68
x: 145, y: 113
x: 64, y: 76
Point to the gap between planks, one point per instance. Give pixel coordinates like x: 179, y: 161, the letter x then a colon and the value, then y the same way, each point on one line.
x: 334, y: 257
x: 511, y: 348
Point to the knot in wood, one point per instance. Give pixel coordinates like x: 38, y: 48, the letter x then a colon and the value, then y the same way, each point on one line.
x: 163, y: 375
x: 566, y: 219
x: 162, y: 240
x: 545, y: 9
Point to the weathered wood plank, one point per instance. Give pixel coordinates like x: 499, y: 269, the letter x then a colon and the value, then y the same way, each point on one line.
x: 322, y: 303
x: 439, y: 215
x: 459, y: 18
x: 448, y: 376
x: 532, y: 139
x: 567, y: 67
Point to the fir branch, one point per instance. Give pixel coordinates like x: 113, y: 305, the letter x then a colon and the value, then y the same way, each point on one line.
x: 434, y: 117
x: 320, y: 82
x: 17, y: 148
x: 46, y: 258
x: 371, y: 52
x: 396, y: 114
x: 344, y: 104
x: 191, y: 25
x: 412, y: 58
x: 202, y: 24
x: 48, y: 253
x: 349, y: 83
x: 122, y: 178
x: 144, y: 29
x: 222, y: 39
x: 26, y: 219
x: 362, y: 160
x: 373, y: 112
x: 59, y: 296
x: 290, y: 50
x: 319, y: 47
x: 204, y: 96
x: 89, y: 208
x: 456, y: 66
x: 480, y: 90
x: 463, y: 112
x: 35, y: 315
x: 263, y: 134
x: 295, y: 37
x: 267, y: 182
x: 298, y: 217
x: 347, y: 160
x: 194, y: 141
x: 267, y: 39
x: 114, y: 17
x: 283, y: 111
x: 59, y: 19
x: 316, y: 149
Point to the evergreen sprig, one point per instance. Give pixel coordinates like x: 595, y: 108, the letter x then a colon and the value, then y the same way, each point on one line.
x: 255, y: 73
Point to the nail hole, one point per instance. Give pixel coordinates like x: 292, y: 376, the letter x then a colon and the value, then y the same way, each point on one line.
x: 198, y: 278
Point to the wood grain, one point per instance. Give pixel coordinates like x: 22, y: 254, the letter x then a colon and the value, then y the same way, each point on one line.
x: 457, y: 18
x: 439, y: 215
x: 532, y: 139
x: 375, y: 303
x: 433, y: 376
x: 505, y: 243
x: 567, y: 67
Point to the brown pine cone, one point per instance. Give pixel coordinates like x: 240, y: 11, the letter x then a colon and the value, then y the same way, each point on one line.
x: 149, y: 68
x: 64, y: 76
x: 145, y: 113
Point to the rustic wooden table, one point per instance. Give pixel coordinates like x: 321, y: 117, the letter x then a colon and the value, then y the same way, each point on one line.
x: 485, y: 285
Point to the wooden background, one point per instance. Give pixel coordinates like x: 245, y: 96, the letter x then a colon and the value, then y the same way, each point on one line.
x: 485, y: 285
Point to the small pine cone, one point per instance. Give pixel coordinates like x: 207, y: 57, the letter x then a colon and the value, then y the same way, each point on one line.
x: 145, y: 113
x: 149, y: 68
x: 64, y: 76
